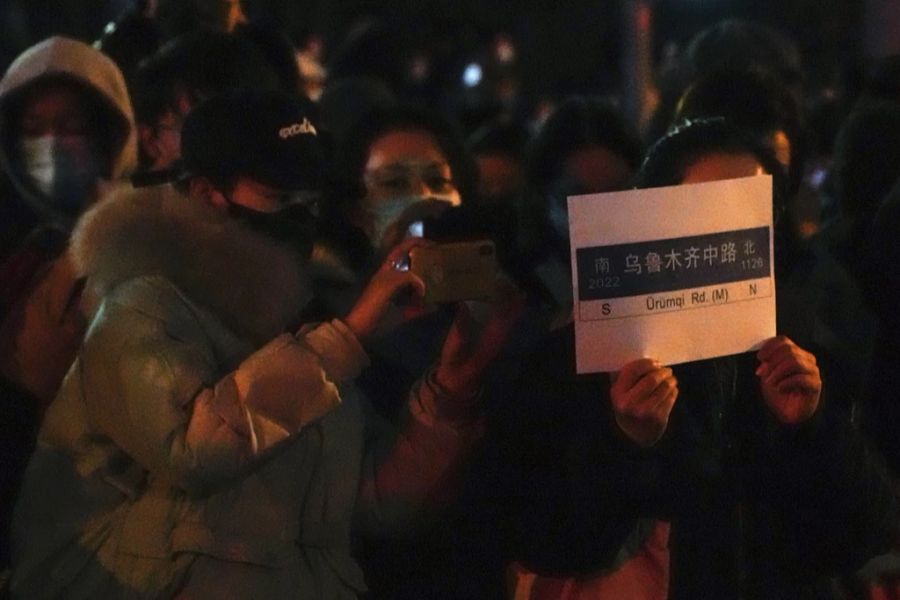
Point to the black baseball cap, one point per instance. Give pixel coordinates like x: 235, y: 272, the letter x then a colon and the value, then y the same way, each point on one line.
x: 267, y: 136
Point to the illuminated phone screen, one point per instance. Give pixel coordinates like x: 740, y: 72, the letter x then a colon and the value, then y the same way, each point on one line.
x: 416, y: 229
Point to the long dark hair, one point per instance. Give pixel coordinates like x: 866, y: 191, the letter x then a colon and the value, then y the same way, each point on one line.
x: 668, y: 159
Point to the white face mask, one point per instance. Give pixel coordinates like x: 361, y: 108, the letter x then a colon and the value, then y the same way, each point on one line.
x: 386, y: 214
x: 64, y: 169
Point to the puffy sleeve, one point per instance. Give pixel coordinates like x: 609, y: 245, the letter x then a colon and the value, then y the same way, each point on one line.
x: 412, y: 470
x: 154, y: 385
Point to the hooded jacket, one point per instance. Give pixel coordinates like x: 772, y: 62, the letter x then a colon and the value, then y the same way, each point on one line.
x: 40, y: 322
x: 40, y: 325
x: 196, y: 459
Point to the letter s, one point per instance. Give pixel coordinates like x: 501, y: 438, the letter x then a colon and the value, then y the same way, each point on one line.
x: 606, y: 309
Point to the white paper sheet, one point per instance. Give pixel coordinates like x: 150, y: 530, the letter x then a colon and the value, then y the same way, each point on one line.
x: 678, y: 273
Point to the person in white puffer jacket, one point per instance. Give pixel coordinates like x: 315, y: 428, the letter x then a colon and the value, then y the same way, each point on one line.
x: 200, y: 447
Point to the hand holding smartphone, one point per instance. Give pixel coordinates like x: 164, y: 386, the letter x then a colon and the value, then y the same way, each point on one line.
x: 456, y: 271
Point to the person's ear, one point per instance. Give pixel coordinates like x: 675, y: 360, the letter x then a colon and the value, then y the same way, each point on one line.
x: 202, y: 189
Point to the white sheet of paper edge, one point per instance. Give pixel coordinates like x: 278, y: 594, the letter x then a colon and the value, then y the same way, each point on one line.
x: 676, y: 336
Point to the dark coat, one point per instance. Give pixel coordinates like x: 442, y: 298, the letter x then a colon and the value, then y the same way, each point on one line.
x: 758, y: 510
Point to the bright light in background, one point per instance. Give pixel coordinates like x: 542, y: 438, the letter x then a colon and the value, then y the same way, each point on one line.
x: 472, y: 75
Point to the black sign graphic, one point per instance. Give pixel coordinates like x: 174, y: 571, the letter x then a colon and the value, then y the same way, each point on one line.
x: 673, y: 264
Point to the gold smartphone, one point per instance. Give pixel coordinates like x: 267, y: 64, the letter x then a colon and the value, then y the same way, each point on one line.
x: 455, y: 271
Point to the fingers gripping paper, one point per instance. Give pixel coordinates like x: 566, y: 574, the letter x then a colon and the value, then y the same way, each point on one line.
x: 677, y: 273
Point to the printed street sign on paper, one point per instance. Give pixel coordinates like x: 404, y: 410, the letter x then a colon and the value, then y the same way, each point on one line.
x: 678, y: 273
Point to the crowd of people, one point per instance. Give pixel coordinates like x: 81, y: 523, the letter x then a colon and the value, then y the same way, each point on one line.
x: 220, y: 377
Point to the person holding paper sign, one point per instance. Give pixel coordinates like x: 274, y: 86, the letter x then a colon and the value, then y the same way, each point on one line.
x: 789, y: 378
x: 751, y: 459
x: 778, y: 478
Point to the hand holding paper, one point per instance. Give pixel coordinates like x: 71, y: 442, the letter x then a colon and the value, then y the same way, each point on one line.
x: 790, y: 380
x: 643, y: 394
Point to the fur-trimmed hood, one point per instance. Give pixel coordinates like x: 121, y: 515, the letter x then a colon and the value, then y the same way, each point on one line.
x: 253, y: 285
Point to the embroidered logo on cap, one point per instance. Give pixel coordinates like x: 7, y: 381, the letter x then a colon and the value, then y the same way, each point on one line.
x: 297, y: 129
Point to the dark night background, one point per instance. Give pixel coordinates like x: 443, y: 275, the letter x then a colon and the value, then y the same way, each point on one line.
x: 563, y: 46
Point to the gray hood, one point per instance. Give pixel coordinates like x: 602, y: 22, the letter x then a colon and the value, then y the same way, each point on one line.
x: 66, y: 58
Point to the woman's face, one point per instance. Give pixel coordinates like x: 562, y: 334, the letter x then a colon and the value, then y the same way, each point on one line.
x: 719, y: 165
x: 58, y: 144
x: 406, y: 178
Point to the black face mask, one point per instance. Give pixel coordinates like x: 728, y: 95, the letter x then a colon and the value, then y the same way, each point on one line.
x: 293, y: 225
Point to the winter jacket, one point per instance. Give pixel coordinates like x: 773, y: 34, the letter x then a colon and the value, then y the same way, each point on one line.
x: 757, y: 509
x: 185, y: 454
x: 41, y: 324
